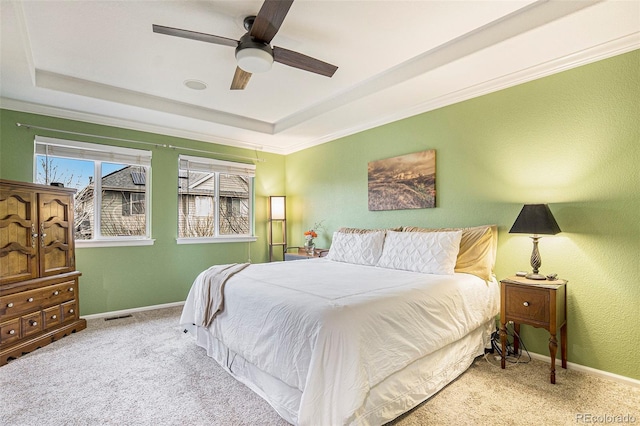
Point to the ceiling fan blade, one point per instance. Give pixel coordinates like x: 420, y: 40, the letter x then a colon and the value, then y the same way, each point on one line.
x: 193, y: 35
x: 304, y: 62
x: 240, y: 79
x: 269, y: 19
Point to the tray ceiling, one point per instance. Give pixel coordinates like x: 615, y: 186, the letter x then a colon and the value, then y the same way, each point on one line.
x: 99, y: 61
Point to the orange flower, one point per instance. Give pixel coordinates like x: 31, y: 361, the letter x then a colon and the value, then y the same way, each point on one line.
x: 311, y: 233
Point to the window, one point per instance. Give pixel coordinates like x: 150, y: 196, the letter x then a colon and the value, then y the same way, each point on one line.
x: 132, y: 203
x: 112, y: 183
x: 204, y: 206
x: 215, y: 200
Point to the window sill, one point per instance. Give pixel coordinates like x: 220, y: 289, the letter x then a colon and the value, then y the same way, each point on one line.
x: 114, y: 243
x: 207, y: 240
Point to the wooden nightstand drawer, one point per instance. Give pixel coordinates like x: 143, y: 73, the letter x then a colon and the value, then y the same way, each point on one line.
x: 527, y: 305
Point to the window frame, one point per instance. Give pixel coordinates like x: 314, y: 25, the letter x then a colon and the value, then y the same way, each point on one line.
x: 99, y: 154
x: 218, y: 167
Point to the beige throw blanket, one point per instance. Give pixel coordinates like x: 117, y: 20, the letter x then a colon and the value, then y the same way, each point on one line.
x: 209, y: 287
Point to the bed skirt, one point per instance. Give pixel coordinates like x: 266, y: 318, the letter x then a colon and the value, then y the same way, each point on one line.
x: 387, y: 400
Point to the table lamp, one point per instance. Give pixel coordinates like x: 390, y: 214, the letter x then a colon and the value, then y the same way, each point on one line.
x: 535, y: 219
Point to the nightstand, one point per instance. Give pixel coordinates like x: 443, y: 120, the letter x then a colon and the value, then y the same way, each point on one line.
x: 537, y: 303
x: 301, y: 254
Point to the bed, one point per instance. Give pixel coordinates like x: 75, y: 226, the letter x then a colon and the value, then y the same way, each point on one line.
x: 381, y: 324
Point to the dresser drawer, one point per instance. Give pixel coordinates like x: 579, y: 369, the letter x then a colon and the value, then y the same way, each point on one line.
x: 69, y: 311
x: 20, y: 303
x: 31, y: 324
x: 59, y: 293
x: 9, y: 331
x: 52, y: 316
x: 528, y: 304
x: 28, y: 301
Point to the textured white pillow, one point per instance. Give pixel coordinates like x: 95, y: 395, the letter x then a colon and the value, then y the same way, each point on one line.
x: 427, y: 252
x: 361, y: 249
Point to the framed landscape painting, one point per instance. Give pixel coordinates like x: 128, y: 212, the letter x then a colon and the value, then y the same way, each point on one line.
x: 404, y: 182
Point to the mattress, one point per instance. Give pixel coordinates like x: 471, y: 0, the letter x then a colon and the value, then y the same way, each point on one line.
x: 335, y: 343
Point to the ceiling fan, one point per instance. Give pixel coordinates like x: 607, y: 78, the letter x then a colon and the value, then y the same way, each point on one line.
x: 253, y: 51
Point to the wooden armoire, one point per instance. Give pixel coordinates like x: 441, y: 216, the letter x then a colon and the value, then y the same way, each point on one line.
x: 38, y: 280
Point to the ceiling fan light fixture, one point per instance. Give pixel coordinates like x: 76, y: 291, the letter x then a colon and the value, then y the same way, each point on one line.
x: 254, y: 60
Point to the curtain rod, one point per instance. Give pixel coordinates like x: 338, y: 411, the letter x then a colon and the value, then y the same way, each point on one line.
x: 30, y: 126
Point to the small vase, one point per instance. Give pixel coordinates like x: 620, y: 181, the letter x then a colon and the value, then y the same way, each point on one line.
x: 310, y: 247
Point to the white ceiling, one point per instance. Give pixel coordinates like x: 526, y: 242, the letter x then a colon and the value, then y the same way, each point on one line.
x: 99, y: 61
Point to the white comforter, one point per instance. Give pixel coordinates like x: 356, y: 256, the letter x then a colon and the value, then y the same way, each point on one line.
x: 334, y: 330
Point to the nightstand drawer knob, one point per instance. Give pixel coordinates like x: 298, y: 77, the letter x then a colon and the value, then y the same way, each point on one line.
x: 71, y: 311
x: 33, y: 323
x: 526, y: 303
x: 54, y: 316
x: 70, y: 288
x: 55, y: 293
x: 12, y: 332
x: 30, y: 299
x: 10, y: 305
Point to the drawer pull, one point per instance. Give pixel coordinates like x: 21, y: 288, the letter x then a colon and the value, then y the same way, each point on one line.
x: 526, y: 303
x: 55, y: 293
x: 10, y: 305
x: 54, y: 316
x: 70, y: 288
x: 71, y: 310
x: 12, y: 332
x: 30, y: 299
x: 33, y: 323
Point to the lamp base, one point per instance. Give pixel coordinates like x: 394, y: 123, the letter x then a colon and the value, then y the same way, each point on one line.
x: 535, y: 277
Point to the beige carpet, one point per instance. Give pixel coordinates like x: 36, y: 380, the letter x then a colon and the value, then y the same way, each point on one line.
x: 144, y: 371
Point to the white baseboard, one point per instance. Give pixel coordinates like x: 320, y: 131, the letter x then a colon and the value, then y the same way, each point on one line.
x: 132, y: 310
x: 578, y: 367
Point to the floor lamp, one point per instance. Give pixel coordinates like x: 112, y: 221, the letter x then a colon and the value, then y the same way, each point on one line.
x: 277, y: 213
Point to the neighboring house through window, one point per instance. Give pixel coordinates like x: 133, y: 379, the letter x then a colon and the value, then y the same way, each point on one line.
x: 118, y: 200
x: 215, y: 200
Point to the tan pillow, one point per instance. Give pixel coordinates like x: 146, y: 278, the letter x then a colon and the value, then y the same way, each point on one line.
x: 478, y: 248
x: 366, y: 231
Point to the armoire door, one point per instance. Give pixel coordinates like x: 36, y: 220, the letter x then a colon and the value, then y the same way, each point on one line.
x: 56, y: 234
x: 18, y: 236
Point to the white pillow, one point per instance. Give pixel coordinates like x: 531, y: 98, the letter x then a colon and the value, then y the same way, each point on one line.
x: 427, y: 252
x: 361, y: 249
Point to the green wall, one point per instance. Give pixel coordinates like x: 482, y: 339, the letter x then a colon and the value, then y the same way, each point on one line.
x: 116, y: 278
x: 571, y: 140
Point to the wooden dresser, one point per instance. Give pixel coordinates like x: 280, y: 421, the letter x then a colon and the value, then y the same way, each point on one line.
x: 38, y: 282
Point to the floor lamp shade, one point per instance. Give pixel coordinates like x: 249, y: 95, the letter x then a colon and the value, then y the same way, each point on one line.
x: 277, y: 208
x: 277, y: 213
x: 536, y: 220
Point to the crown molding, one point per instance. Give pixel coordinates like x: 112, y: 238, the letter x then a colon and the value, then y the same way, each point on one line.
x: 56, y: 112
x: 587, y: 56
x: 584, y: 57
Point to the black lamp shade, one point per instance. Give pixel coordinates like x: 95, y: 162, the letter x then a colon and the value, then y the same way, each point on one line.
x: 535, y: 219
